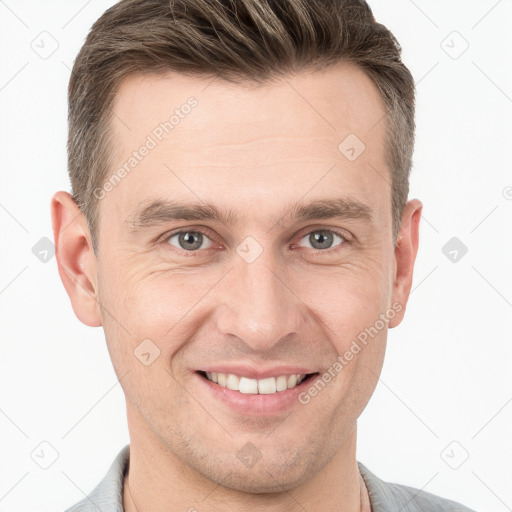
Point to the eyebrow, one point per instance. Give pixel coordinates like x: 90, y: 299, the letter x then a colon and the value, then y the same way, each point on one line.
x: 160, y: 211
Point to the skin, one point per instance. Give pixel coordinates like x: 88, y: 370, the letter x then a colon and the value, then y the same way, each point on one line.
x: 256, y: 151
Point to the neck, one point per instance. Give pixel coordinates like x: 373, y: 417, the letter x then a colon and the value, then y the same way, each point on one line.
x: 159, y: 481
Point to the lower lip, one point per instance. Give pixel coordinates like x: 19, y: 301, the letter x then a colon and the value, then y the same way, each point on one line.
x: 250, y: 404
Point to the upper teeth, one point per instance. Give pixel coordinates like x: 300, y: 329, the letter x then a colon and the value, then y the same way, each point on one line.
x: 255, y: 386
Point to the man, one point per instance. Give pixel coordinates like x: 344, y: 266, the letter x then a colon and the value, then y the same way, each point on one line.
x: 239, y: 223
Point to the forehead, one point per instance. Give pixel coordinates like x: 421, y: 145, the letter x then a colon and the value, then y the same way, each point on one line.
x: 338, y: 99
x: 276, y: 140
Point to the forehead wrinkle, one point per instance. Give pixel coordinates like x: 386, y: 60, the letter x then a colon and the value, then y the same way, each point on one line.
x: 160, y: 211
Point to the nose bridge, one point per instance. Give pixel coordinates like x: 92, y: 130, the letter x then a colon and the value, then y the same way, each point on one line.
x: 258, y: 305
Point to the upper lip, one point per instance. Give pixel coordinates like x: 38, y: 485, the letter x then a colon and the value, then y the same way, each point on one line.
x: 253, y: 372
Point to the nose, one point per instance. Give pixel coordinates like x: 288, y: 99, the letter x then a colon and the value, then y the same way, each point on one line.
x: 258, y: 303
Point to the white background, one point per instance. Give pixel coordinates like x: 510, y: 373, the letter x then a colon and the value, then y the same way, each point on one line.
x: 447, y: 374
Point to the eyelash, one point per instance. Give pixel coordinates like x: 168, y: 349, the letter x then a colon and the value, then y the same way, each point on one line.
x: 167, y: 236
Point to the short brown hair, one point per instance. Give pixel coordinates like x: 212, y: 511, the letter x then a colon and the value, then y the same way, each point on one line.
x: 240, y: 41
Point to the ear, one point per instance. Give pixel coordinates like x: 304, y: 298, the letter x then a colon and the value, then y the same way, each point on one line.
x: 76, y: 260
x: 405, y: 256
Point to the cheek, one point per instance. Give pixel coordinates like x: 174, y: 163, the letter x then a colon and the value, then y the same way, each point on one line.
x: 348, y: 299
x: 158, y: 304
x: 161, y: 306
x: 162, y: 300
x: 143, y: 296
x: 132, y: 311
x: 141, y: 328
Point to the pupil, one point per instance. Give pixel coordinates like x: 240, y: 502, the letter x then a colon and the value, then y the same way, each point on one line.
x: 191, y: 240
x: 322, y: 238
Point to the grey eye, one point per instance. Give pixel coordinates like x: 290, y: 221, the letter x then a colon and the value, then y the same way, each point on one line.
x: 322, y: 238
x: 189, y: 240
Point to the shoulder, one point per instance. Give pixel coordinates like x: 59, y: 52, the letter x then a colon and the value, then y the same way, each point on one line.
x: 107, y: 496
x: 390, y: 497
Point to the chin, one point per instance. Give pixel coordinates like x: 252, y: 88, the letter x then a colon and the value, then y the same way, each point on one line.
x: 264, y: 480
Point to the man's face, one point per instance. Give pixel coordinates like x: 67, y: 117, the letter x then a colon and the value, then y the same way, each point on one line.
x: 265, y: 290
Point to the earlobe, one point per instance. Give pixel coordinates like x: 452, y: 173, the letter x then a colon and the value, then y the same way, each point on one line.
x: 405, y: 256
x: 76, y: 260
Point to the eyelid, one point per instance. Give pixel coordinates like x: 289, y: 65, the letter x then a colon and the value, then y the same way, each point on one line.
x: 200, y: 229
x: 205, y: 231
x: 336, y: 231
x: 346, y: 236
x: 343, y: 233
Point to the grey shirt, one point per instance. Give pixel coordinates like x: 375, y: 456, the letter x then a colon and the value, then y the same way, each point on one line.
x: 107, y: 496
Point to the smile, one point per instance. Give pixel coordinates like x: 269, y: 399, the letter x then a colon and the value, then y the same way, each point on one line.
x: 247, y: 385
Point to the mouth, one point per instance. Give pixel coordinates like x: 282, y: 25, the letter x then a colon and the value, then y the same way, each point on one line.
x: 248, y: 386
